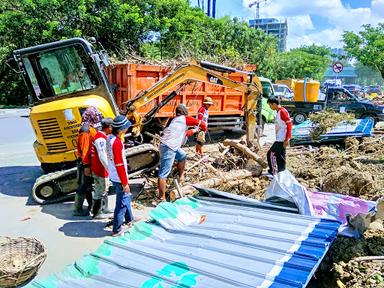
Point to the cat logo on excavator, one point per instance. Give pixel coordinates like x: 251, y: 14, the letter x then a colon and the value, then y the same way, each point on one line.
x: 214, y: 80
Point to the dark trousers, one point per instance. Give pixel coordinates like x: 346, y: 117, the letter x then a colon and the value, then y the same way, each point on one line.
x: 123, y: 208
x: 276, y: 158
x: 85, y: 183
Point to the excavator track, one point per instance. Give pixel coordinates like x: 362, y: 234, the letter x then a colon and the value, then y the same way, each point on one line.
x: 61, y: 185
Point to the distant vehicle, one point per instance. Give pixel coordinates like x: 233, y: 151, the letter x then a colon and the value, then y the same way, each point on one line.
x: 283, y: 91
x: 337, y: 99
x: 353, y: 88
x: 332, y: 83
x: 268, y: 115
x: 374, y: 89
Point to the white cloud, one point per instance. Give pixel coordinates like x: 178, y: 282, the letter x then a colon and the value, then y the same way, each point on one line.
x: 301, y: 30
x: 378, y: 8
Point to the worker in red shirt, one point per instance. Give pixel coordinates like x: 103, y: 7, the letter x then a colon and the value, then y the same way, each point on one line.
x: 99, y: 168
x: 174, y: 136
x: 276, y: 154
x: 118, y: 173
x: 202, y: 114
x: 91, y: 122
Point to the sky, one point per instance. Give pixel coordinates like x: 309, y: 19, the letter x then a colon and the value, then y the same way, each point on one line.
x: 320, y: 22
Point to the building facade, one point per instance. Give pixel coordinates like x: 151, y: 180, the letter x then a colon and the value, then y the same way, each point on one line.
x: 347, y: 76
x: 274, y: 27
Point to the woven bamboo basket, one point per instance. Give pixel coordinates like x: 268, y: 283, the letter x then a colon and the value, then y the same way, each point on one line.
x: 20, y: 258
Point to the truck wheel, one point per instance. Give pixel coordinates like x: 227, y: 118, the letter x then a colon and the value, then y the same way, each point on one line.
x: 372, y: 117
x: 299, y: 118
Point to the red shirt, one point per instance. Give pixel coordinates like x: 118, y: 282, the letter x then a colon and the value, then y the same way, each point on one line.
x: 283, y: 125
x: 189, y: 121
x: 202, y: 114
x: 117, y: 163
x: 99, y: 161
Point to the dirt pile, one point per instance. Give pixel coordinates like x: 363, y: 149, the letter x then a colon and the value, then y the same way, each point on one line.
x: 356, y: 170
x: 354, y: 262
x: 251, y: 187
x: 347, y: 180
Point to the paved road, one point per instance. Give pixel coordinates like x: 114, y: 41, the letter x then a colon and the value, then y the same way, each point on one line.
x: 66, y: 237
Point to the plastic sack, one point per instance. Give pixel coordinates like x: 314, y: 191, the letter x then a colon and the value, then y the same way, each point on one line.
x: 321, y: 204
x: 285, y: 186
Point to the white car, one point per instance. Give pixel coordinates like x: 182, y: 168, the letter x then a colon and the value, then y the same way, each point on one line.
x: 283, y: 91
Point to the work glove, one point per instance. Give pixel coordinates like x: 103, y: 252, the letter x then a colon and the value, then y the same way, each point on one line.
x: 201, y: 137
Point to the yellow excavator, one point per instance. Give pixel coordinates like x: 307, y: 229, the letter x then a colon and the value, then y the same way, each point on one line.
x: 66, y: 77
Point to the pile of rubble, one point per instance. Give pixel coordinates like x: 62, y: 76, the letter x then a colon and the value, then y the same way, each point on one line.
x: 360, y: 262
x: 230, y: 167
x: 328, y: 168
x: 355, y: 169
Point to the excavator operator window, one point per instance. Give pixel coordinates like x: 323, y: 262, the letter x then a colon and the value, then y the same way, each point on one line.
x: 62, y: 71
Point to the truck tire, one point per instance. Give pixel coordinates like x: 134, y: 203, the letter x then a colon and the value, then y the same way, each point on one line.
x: 370, y: 116
x: 299, y: 118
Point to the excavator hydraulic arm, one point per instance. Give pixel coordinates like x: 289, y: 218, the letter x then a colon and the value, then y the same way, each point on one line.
x: 203, y: 72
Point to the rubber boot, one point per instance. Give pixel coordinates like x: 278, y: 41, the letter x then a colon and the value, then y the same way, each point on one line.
x: 105, y: 208
x: 96, y: 208
x: 79, y: 211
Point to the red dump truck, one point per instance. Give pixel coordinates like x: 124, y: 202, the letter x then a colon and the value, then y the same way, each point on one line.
x: 226, y: 113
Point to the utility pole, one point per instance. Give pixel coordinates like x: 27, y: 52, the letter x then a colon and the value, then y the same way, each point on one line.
x: 257, y: 3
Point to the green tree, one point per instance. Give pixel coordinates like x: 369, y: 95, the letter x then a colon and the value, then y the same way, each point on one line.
x: 24, y: 23
x: 367, y: 46
x: 158, y: 29
x: 368, y: 75
x: 187, y: 33
x: 307, y: 61
x: 314, y: 49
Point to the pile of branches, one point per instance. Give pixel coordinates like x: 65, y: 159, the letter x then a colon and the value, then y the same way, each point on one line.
x: 325, y: 121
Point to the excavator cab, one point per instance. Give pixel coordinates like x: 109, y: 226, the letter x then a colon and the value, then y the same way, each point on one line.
x: 63, y: 79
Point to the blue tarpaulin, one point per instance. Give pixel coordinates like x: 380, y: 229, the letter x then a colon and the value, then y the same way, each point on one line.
x: 203, y: 242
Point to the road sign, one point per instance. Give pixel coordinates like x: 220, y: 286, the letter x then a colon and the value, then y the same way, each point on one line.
x: 337, y: 67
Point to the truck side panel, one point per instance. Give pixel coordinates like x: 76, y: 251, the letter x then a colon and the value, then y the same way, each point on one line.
x: 131, y: 79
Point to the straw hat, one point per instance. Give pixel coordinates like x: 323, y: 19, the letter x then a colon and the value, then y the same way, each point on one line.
x: 208, y: 100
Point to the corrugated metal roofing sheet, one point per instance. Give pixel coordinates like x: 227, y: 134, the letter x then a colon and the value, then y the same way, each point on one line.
x: 202, y: 242
x: 359, y: 128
